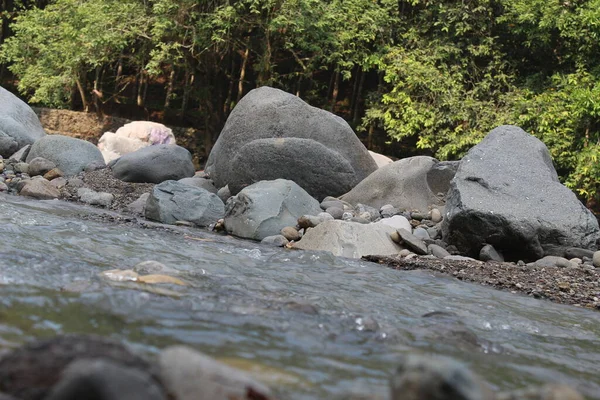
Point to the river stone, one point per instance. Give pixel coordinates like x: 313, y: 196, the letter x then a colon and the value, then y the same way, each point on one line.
x: 403, y: 184
x: 40, y: 166
x: 396, y: 222
x: 266, y: 207
x: 335, y: 212
x: 437, y: 251
x: 272, y: 134
x: 290, y: 233
x: 554, y: 261
x: 173, y: 201
x: 30, y: 371
x: 21, y: 154
x: 190, y: 375
x: 412, y: 242
x: 139, y: 205
x: 154, y: 164
x: 275, y: 240
x: 40, y: 189
x: 435, y: 378
x: 380, y: 159
x: 596, y: 259
x: 489, y: 253
x: 100, y: 379
x: 200, y: 183
x: 19, y: 125
x: 350, y: 239
x: 70, y: 155
x: 506, y: 193
x: 94, y: 198
x: 574, y: 252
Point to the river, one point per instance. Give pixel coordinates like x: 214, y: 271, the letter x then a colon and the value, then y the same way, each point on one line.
x: 311, y: 325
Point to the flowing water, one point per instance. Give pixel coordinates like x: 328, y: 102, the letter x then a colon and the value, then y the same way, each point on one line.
x: 310, y: 325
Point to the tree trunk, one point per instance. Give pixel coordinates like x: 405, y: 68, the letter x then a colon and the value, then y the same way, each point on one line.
x: 97, y: 92
x: 336, y: 90
x: 227, y: 102
x: 140, y: 89
x: 242, y: 74
x: 358, y: 97
x: 170, y: 88
x: 189, y: 81
x: 84, y: 100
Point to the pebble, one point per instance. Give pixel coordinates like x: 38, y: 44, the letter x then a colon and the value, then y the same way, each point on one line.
x: 335, y: 212
x: 412, y: 242
x: 437, y: 251
x: 596, y: 259
x: 54, y: 173
x: 275, y: 240
x: 290, y: 233
x: 421, y: 233
x: 404, y: 252
x: 489, y: 253
x: 436, y: 215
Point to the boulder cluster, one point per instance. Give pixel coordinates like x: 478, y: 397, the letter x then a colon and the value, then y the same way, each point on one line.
x: 288, y: 174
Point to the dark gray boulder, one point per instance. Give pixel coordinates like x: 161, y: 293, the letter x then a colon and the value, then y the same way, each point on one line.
x: 272, y: 134
x: 265, y: 208
x: 101, y: 379
x: 172, y: 201
x: 70, y: 155
x: 19, y: 125
x: 506, y: 193
x: 405, y: 184
x: 154, y: 164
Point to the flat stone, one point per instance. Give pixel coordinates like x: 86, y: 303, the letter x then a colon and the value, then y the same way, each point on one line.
x: 412, y: 242
x: 39, y: 189
x: 437, y: 251
x: 553, y: 261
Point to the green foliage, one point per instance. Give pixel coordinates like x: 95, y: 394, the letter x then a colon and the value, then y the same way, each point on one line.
x: 441, y: 74
x: 53, y: 47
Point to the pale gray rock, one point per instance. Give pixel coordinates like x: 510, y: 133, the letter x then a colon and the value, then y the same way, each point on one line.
x: 69, y: 154
x: 19, y: 125
x: 271, y: 134
x: 139, y: 206
x: 350, y: 239
x: 554, y: 261
x: 190, y: 375
x: 506, y: 193
x: 403, y: 184
x: 596, y: 259
x: 266, y: 207
x: 489, y: 253
x: 224, y: 193
x: 172, y: 201
x: 437, y: 251
x: 421, y: 233
x: 396, y: 222
x: 94, y: 198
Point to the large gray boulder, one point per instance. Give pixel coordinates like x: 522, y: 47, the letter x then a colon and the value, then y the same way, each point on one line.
x: 272, y: 134
x: 172, y: 201
x: 70, y: 155
x: 506, y: 193
x: 19, y: 126
x: 409, y: 184
x: 265, y: 208
x: 350, y: 239
x: 154, y: 164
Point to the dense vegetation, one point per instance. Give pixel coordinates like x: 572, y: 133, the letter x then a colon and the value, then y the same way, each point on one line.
x: 436, y: 73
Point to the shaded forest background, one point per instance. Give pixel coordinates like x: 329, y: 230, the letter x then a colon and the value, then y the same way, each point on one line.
x: 411, y: 77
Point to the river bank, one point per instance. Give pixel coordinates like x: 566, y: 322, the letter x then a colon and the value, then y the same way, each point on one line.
x: 578, y: 286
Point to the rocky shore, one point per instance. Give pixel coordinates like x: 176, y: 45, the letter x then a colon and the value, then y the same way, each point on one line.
x: 289, y: 175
